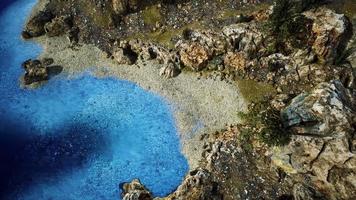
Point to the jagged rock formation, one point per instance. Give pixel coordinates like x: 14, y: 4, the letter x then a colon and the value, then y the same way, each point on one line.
x: 322, y: 146
x: 39, y: 71
x: 135, y: 191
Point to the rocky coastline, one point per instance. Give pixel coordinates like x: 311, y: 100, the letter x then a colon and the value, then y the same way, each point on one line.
x: 289, y: 135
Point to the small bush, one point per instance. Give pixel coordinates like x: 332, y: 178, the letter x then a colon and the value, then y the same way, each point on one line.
x: 264, y: 123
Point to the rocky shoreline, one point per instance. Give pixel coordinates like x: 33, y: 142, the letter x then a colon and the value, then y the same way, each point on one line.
x: 297, y: 141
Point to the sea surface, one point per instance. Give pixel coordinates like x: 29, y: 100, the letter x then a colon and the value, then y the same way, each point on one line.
x: 78, y: 138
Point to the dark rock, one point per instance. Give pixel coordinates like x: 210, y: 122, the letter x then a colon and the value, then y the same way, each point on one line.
x: 35, y: 26
x: 37, y: 71
x: 58, y: 26
x: 302, y: 192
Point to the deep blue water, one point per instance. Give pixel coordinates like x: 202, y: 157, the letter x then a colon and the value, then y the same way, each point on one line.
x: 78, y: 138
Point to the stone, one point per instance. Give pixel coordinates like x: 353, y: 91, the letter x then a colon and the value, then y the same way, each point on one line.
x: 214, y: 42
x: 169, y: 70
x: 35, y: 71
x: 35, y: 26
x: 303, y: 192
x: 194, y: 56
x: 328, y: 109
x: 330, y: 31
x: 320, y: 150
x: 123, y: 6
x: 123, y: 57
x: 58, y: 26
x: 135, y: 191
x: 237, y: 60
x: 198, y: 184
x: 129, y: 52
x: 244, y: 37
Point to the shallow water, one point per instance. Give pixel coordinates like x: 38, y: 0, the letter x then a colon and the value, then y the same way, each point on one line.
x: 78, y: 138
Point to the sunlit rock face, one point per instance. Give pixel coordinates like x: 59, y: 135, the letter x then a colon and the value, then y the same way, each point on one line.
x: 78, y: 138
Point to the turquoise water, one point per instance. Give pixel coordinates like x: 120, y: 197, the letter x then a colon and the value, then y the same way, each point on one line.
x: 78, y: 138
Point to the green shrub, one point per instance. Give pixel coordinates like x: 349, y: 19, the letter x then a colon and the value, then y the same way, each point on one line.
x: 264, y: 123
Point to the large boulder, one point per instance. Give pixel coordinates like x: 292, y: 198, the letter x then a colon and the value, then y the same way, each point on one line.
x: 322, y: 148
x: 329, y: 109
x: 237, y: 60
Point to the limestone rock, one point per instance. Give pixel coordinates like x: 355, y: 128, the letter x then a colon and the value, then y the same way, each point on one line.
x: 327, y: 110
x: 169, y: 70
x: 194, y: 56
x: 236, y: 60
x: 330, y: 31
x: 321, y: 148
x: 129, y: 52
x: 124, y: 56
x: 198, y: 185
x: 303, y: 192
x: 123, y: 6
x: 135, y: 191
x: 214, y: 42
x: 244, y: 37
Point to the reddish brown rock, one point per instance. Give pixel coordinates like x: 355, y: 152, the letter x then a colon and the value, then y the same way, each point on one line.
x: 194, y: 56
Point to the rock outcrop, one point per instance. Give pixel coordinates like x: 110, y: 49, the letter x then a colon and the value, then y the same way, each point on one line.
x: 35, y: 71
x: 194, y: 56
x: 323, y: 145
x: 38, y: 71
x: 135, y: 191
x: 330, y: 31
x: 129, y: 52
x: 35, y: 26
x: 199, y: 184
x: 58, y: 26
